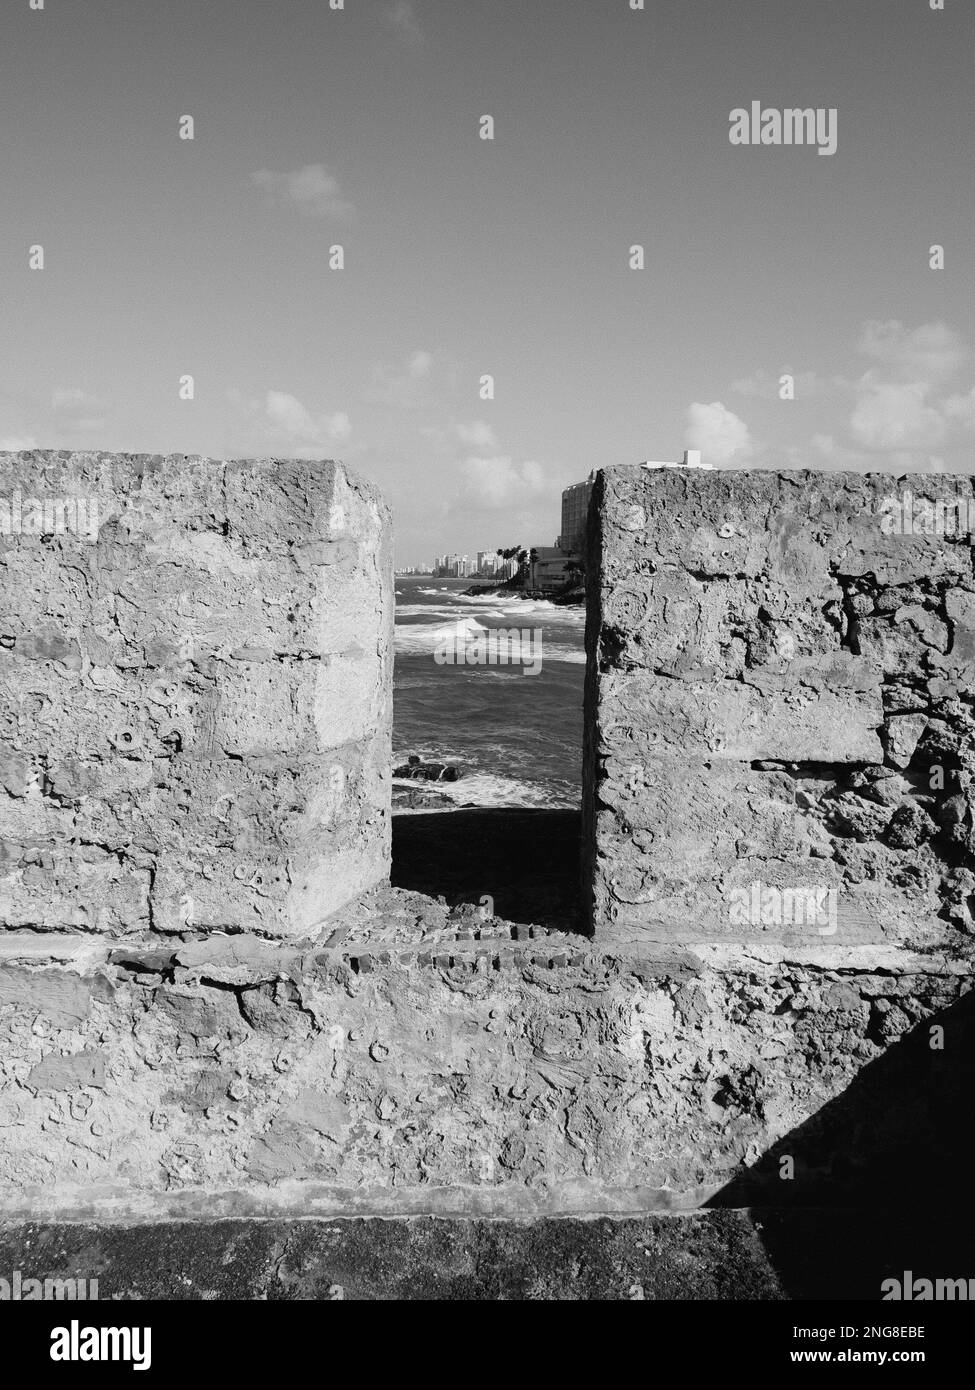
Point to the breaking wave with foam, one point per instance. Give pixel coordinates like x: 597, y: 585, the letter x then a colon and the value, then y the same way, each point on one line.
x: 516, y: 739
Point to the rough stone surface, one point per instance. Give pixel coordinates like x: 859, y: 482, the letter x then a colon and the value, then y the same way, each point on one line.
x: 778, y: 693
x: 195, y: 694
x: 406, y: 1055
x: 426, y: 1067
x: 762, y: 1254
x: 716, y: 1255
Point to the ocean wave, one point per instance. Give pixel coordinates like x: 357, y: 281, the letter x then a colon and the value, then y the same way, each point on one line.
x: 572, y: 656
x: 419, y: 639
x: 423, y: 637
x: 488, y: 789
x: 511, y: 603
x: 498, y: 617
x: 553, y: 617
x: 431, y: 610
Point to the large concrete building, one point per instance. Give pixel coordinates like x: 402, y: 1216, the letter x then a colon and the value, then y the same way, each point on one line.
x: 551, y: 568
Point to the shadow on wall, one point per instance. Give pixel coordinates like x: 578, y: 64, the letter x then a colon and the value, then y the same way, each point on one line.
x: 526, y: 862
x: 881, y: 1170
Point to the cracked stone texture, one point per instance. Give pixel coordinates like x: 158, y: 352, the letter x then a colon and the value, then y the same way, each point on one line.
x: 231, y: 1075
x: 195, y: 705
x: 778, y: 692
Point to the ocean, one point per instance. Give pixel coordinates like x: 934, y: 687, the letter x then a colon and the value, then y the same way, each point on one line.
x: 516, y: 739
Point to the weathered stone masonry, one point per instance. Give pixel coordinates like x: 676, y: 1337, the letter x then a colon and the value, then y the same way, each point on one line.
x: 194, y: 695
x: 779, y: 692
x: 296, y: 1044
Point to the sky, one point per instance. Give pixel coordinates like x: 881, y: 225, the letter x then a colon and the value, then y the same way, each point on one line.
x: 464, y: 258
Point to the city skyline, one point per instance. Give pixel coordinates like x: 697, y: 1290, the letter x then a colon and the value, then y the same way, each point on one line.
x: 486, y: 563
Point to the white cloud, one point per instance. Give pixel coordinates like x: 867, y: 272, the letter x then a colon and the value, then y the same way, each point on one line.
x: 289, y: 415
x: 766, y: 385
x: 77, y: 412
x: 717, y: 431
x: 493, y: 484
x: 961, y: 409
x: 926, y: 353
x: 478, y: 435
x: 401, y: 16
x: 64, y: 399
x: 281, y: 421
x: 66, y: 418
x: 896, y: 415
x: 312, y: 189
x: 900, y: 407
x: 833, y: 454
x: 410, y: 384
x: 420, y: 364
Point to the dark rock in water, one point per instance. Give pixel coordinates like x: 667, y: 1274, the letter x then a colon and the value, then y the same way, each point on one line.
x: 421, y: 798
x: 427, y: 772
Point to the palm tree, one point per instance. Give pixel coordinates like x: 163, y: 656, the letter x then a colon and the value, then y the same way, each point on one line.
x: 520, y: 554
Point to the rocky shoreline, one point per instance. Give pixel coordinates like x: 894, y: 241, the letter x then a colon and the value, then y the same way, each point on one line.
x: 562, y: 598
x: 422, y: 797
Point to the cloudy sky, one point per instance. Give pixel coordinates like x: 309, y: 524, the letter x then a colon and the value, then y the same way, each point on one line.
x: 359, y: 127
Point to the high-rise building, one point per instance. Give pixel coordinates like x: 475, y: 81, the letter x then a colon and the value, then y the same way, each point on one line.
x: 575, y: 509
x: 454, y: 566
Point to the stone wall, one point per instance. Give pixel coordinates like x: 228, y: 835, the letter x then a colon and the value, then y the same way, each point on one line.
x: 195, y: 693
x: 773, y: 685
x: 236, y: 1076
x: 779, y: 698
